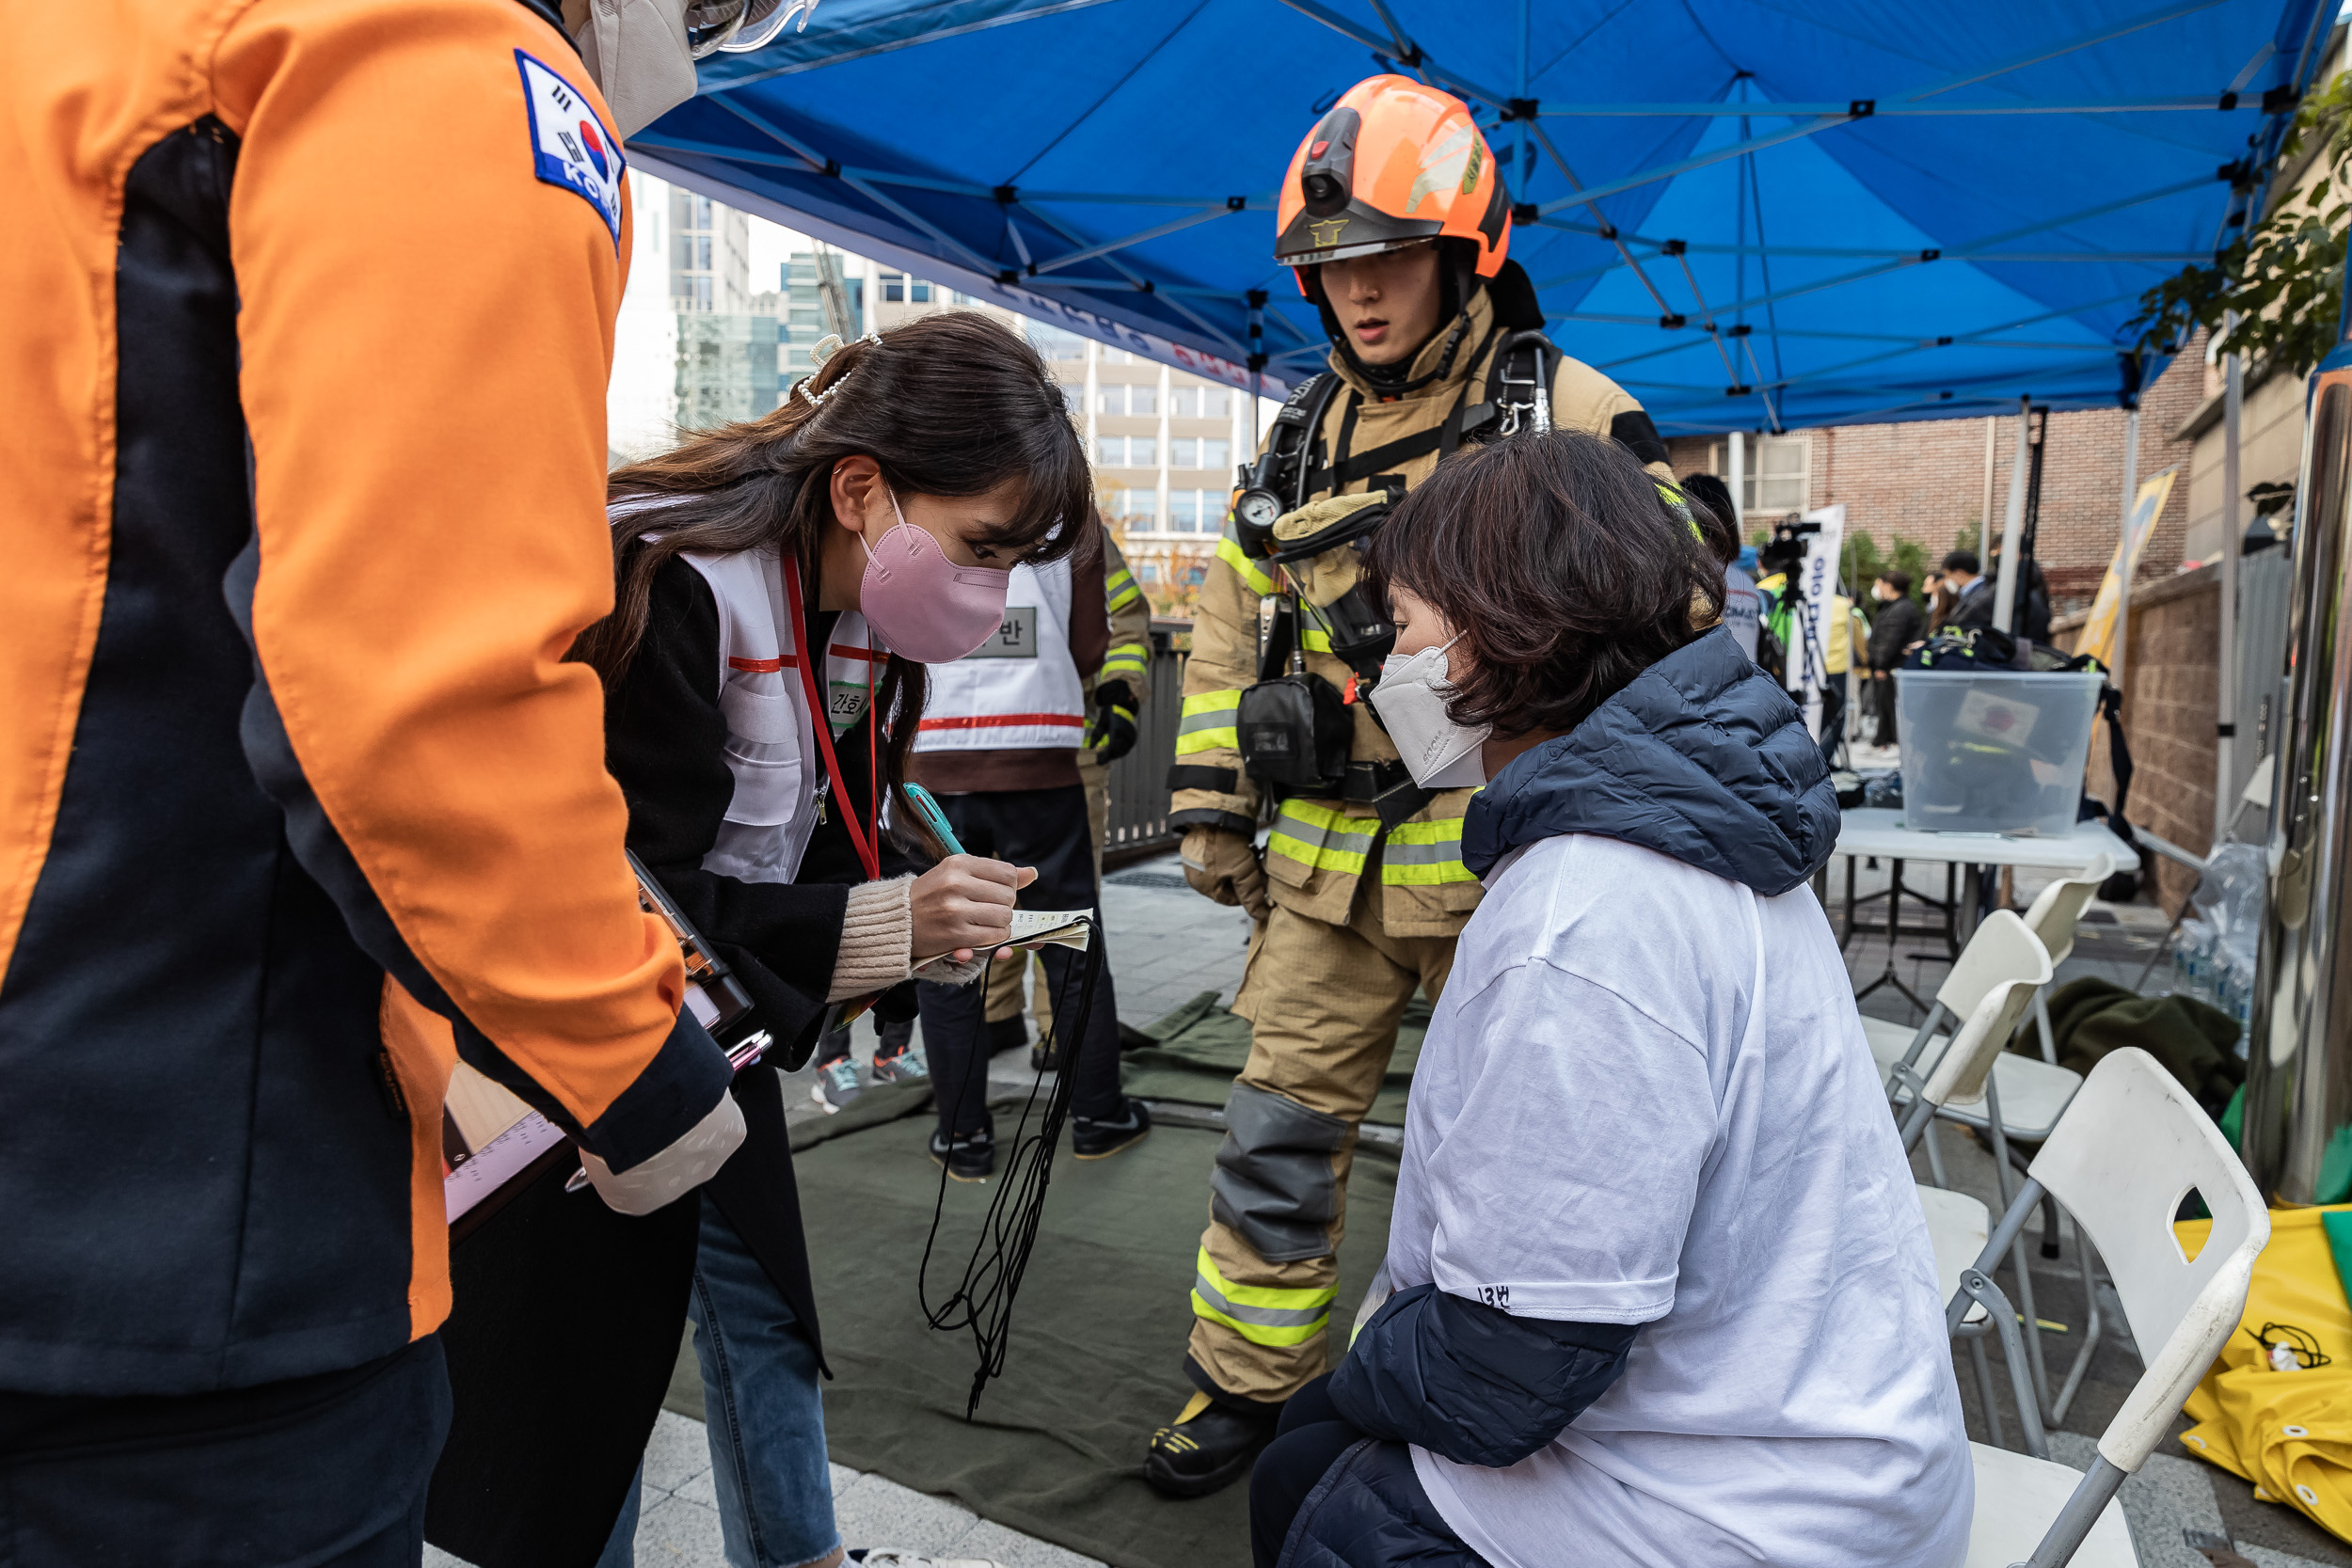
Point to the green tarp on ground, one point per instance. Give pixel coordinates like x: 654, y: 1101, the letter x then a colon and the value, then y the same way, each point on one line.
x: 1098, y: 1333
x: 1192, y: 1055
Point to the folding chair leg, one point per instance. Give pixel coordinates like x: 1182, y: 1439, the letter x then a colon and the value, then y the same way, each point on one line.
x: 2017, y: 1250
x: 1984, y: 1391
x: 2073, y: 1526
x: 1978, y: 1287
x: 2092, y: 1332
x: 2041, y: 1021
x: 1935, y: 1153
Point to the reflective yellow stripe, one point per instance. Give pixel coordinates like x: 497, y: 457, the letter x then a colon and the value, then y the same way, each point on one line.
x: 1679, y: 504
x: 1315, y: 642
x: 1258, y: 1334
x: 1208, y: 722
x: 1425, y: 854
x: 1120, y: 586
x: 1229, y: 551
x: 1261, y: 1314
x: 1322, y: 837
x: 1127, y: 658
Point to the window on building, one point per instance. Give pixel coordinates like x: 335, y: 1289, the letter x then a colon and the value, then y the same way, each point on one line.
x: 1183, y: 511
x: 691, y: 293
x: 1215, y: 453
x: 1053, y: 343
x: 1184, y: 452
x: 1215, y: 403
x: 1118, y: 357
x: 1138, y: 506
x: 1143, y: 400
x: 1110, y: 452
x: 1195, y: 575
x: 900, y: 289
x: 1110, y: 400
x: 1073, y: 398
x: 1142, y: 451
x: 1778, y: 479
x: 1148, y: 571
x: 1198, y: 403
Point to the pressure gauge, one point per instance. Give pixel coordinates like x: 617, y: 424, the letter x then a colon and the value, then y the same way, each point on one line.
x: 1254, y: 512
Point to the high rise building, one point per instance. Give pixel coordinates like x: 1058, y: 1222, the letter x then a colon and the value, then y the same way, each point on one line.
x: 697, y: 347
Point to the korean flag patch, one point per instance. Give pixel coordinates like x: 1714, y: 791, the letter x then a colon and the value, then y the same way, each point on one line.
x: 570, y: 145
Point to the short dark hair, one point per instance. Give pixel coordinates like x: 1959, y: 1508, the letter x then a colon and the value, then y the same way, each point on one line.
x: 1565, y: 569
x: 1718, y: 519
x: 1897, y: 579
x: 1962, y: 561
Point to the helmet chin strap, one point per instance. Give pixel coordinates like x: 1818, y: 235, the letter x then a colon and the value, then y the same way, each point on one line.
x: 1460, y: 280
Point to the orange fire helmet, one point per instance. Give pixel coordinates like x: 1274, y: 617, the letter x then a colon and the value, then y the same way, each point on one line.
x: 1392, y: 163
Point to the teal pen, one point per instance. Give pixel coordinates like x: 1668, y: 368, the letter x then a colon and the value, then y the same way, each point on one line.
x: 933, y: 817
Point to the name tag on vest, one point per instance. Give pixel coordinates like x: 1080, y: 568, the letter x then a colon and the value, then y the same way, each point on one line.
x: 1015, y: 638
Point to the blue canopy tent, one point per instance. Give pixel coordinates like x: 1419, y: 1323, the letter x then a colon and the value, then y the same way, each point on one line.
x: 1752, y: 217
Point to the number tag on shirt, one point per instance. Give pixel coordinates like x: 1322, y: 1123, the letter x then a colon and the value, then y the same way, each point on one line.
x: 569, y: 146
x: 1016, y: 637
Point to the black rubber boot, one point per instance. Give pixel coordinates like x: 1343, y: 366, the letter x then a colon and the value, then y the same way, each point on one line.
x: 1208, y: 1446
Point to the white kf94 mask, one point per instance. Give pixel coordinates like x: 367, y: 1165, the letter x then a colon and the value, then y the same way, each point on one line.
x: 1410, y: 701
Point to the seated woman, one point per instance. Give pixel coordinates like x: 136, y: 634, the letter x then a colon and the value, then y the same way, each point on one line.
x: 1662, y: 1291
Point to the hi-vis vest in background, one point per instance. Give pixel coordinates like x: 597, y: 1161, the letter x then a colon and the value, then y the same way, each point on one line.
x: 771, y: 746
x: 1021, y: 692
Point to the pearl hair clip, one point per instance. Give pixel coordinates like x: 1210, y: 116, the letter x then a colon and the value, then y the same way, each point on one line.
x: 819, y: 352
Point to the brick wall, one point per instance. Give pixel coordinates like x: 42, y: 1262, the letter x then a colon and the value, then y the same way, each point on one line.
x: 2171, y: 696
x: 1925, y: 481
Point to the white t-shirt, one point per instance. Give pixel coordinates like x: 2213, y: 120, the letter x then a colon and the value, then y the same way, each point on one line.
x: 1645, y: 1098
x: 1743, y: 608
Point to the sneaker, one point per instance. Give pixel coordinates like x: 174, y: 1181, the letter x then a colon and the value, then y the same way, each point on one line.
x: 1209, y: 1446
x: 896, y: 1557
x: 1097, y: 1138
x: 1008, y: 1034
x: 971, y: 1158
x: 836, y: 1084
x: 904, y: 1067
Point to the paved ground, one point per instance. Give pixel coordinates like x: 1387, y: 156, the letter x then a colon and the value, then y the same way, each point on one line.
x: 1169, y: 944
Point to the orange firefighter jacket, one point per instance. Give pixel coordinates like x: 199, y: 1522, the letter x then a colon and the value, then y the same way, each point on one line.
x: 310, y: 309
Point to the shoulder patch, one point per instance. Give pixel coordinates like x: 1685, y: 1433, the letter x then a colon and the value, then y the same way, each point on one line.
x: 570, y: 146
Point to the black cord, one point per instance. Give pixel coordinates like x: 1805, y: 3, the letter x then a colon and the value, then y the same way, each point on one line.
x: 982, y: 1299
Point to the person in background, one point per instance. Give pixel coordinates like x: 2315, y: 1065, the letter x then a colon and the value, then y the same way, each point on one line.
x: 1972, y: 596
x: 2030, y: 613
x: 1743, y: 606
x: 1115, y: 695
x: 1731, y: 1350
x: 789, y: 587
x: 1900, y: 625
x: 999, y: 745
x: 299, y: 803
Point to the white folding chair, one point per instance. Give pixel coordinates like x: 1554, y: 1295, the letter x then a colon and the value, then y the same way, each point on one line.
x: 2054, y: 915
x: 1964, y: 1077
x: 2131, y: 1146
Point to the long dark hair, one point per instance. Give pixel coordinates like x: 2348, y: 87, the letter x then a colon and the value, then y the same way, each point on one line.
x: 1565, y: 570
x: 947, y: 405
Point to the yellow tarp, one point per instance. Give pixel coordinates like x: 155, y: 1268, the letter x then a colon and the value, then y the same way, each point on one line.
x: 2288, y: 1432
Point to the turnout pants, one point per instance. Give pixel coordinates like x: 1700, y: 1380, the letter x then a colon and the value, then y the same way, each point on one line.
x: 1323, y: 1001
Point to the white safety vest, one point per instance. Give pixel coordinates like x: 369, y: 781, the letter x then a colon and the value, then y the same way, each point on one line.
x: 771, y: 746
x: 1021, y: 690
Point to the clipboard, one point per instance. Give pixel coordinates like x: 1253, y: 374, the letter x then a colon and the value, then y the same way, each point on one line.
x: 493, y: 1145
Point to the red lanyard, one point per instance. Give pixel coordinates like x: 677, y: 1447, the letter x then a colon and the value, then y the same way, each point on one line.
x: 865, y: 841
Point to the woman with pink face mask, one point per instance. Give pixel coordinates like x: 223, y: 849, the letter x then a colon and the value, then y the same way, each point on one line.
x: 783, y: 584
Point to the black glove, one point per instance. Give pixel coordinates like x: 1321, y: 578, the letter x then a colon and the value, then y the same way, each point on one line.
x: 1114, y: 733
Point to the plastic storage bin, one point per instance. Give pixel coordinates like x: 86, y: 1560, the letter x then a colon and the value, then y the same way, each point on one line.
x: 1994, y: 752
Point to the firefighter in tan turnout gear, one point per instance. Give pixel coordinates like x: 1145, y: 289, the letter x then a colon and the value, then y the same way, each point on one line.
x: 1398, y: 227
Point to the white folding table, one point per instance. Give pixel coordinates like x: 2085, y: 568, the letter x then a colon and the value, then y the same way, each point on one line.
x: 1879, y: 831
